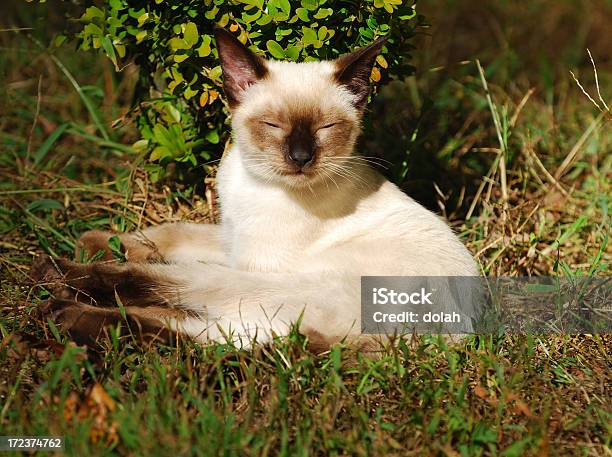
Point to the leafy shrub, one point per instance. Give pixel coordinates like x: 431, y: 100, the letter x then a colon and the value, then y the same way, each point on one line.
x: 181, y: 108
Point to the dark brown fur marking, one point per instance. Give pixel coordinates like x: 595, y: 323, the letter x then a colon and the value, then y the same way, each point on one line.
x: 309, y: 119
x: 317, y: 343
x: 354, y: 70
x: 241, y: 67
x: 102, y: 283
x: 86, y: 323
x: 84, y: 301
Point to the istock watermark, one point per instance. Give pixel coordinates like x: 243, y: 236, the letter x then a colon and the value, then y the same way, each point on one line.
x: 459, y: 305
x: 383, y: 296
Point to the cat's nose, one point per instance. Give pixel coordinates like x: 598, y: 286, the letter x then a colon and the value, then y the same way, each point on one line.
x: 300, y: 146
x: 301, y: 156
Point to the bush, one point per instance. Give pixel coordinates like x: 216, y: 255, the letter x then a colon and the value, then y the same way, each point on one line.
x: 181, y: 108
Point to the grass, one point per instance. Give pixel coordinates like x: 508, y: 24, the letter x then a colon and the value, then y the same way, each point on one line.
x: 515, y: 156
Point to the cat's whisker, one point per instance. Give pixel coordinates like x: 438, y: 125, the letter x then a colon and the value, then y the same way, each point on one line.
x: 358, y: 159
x: 358, y: 156
x: 347, y: 173
x: 328, y: 174
x: 324, y: 177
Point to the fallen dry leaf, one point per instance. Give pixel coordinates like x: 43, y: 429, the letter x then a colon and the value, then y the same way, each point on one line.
x: 100, y: 398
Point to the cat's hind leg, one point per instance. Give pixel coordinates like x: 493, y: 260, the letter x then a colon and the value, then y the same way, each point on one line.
x: 86, y: 323
x: 87, y: 299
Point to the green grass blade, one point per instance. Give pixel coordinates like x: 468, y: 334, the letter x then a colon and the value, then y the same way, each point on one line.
x: 44, y: 148
x: 86, y: 101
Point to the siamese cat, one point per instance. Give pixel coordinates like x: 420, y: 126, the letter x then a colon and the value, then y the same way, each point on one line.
x: 303, y: 217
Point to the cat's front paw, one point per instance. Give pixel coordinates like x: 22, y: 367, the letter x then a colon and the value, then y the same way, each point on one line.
x: 132, y: 247
x: 91, y: 243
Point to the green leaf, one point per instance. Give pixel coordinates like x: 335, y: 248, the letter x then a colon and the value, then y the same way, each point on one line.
x: 310, y: 4
x: 189, y: 93
x: 162, y: 136
x: 309, y: 36
x: 275, y: 49
x: 45, y: 204
x: 302, y: 13
x: 210, y: 14
x: 136, y: 13
x: 114, y: 243
x: 322, y: 32
x: 205, y: 48
x: 177, y: 44
x: 215, y: 73
x: 406, y: 17
x: 293, y: 52
x: 120, y: 48
x: 323, y: 13
x: 107, y: 45
x: 285, y: 6
x: 212, y: 136
x: 58, y: 40
x: 142, y: 19
x: 248, y: 18
x: 92, y: 13
x: 367, y: 33
x: 141, y: 145
x: 93, y: 30
x: 160, y: 152
x: 190, y: 34
x: 265, y: 19
x: 280, y: 17
x: 224, y: 20
x: 174, y: 113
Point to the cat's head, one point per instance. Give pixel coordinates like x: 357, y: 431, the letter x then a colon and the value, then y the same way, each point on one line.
x: 295, y: 123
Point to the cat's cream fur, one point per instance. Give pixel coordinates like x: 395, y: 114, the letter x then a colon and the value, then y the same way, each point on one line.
x: 293, y: 242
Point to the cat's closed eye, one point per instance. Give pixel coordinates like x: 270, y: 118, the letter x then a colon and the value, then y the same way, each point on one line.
x: 330, y: 125
x: 271, y: 124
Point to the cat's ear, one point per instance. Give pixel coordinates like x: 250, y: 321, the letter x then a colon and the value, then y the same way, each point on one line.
x: 241, y: 67
x: 353, y: 70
